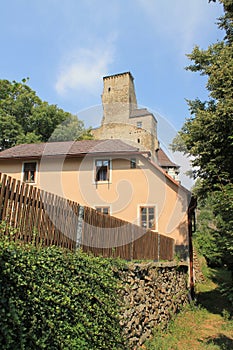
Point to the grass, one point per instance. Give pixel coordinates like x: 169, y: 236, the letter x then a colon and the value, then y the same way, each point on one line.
x: 205, y: 325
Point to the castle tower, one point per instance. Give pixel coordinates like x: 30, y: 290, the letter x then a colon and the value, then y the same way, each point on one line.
x: 122, y: 119
x: 118, y: 98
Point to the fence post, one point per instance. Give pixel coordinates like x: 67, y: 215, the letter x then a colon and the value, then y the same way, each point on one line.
x: 80, y: 227
x: 158, y: 246
x: 132, y: 244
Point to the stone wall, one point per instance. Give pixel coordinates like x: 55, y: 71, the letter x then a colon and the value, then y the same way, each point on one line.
x: 151, y: 294
x: 139, y: 138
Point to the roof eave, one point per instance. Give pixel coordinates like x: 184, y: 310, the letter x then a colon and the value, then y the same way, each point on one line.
x: 76, y: 155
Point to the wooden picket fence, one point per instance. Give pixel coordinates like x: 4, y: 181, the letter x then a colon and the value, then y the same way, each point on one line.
x: 33, y: 215
x: 36, y: 215
x: 111, y: 237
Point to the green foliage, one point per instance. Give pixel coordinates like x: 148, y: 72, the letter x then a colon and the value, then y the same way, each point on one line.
x: 25, y: 118
x: 225, y: 22
x: 206, y: 235
x: 55, y: 299
x: 46, y: 118
x: 71, y: 129
x: 214, y: 234
x: 207, y: 135
x: 10, y: 130
x: 223, y: 210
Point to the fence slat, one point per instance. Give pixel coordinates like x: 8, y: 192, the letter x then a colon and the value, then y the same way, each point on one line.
x: 2, y: 195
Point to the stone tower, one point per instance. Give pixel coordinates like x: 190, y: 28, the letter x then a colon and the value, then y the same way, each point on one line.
x: 118, y: 98
x: 122, y: 119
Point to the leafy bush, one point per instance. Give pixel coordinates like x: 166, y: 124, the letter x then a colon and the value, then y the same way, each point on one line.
x: 214, y: 234
x: 55, y: 299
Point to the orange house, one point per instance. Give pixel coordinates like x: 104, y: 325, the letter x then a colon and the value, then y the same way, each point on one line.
x: 109, y: 175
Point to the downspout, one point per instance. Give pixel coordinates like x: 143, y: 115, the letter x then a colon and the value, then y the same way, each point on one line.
x: 191, y: 211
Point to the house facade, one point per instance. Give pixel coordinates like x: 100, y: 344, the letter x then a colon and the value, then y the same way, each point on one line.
x: 109, y: 175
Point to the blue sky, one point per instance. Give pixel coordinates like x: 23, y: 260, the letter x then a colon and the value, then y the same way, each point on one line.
x: 66, y: 47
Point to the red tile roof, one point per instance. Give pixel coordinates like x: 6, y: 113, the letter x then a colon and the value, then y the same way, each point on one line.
x: 68, y: 148
x: 163, y: 159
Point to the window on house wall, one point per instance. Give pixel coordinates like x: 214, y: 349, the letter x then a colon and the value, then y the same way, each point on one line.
x: 29, y: 172
x: 147, y: 217
x: 139, y: 125
x: 133, y: 163
x: 102, y: 169
x: 103, y: 210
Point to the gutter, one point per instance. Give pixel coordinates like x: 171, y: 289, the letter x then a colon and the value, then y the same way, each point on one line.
x: 191, y: 213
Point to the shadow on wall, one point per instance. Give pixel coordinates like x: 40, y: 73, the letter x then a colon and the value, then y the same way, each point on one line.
x: 182, y: 252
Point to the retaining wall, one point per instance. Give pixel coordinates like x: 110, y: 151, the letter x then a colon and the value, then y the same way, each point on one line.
x: 151, y: 294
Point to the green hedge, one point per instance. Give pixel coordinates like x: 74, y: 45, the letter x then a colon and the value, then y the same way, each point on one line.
x: 55, y: 299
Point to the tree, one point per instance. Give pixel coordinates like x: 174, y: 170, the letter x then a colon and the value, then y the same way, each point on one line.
x: 214, y: 232
x: 25, y: 118
x: 10, y: 130
x: 71, y: 129
x: 45, y: 118
x: 207, y: 135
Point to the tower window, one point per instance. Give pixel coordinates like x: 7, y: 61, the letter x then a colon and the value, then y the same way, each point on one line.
x: 139, y: 141
x: 109, y: 89
x: 139, y: 125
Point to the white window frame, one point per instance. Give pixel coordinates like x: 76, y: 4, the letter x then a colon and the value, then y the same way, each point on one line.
x: 148, y: 205
x: 139, y: 124
x: 36, y: 172
x: 103, y: 206
x: 109, y: 180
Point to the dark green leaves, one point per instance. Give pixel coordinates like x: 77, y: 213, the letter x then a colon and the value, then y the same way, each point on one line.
x: 207, y: 133
x: 207, y: 136
x: 54, y: 299
x: 25, y: 118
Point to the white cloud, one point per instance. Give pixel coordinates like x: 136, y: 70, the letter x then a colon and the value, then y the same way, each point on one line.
x: 84, y: 69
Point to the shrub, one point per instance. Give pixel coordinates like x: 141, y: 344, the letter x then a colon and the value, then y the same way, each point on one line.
x: 55, y: 299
